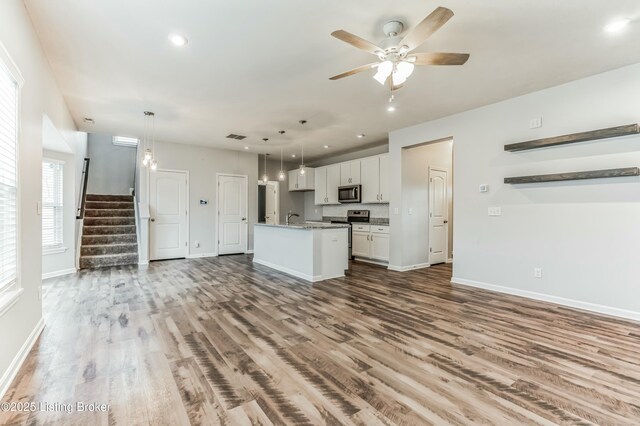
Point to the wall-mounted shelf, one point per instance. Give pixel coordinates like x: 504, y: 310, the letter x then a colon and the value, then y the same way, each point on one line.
x: 611, y: 132
x: 556, y: 177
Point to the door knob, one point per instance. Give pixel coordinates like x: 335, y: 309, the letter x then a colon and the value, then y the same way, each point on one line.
x: 446, y: 221
x: 244, y: 218
x: 153, y: 220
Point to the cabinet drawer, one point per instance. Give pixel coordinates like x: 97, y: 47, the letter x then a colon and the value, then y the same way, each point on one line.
x: 380, y: 229
x: 361, y: 228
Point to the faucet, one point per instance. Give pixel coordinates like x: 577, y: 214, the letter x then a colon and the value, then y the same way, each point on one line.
x: 289, y: 216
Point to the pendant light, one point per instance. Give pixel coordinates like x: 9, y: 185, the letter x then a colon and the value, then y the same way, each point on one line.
x: 302, y: 170
x: 281, y: 174
x: 265, y: 176
x: 148, y: 159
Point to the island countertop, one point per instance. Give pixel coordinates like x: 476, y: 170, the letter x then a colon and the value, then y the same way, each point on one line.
x: 307, y: 225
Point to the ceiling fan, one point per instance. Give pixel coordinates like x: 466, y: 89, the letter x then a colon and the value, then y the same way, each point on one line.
x: 396, y: 60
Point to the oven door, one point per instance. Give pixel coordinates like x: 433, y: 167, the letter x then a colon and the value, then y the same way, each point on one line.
x: 349, y: 194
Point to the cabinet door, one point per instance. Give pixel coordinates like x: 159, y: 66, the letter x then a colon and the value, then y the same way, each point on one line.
x: 309, y: 179
x: 384, y: 178
x: 320, y: 185
x: 370, y: 179
x: 333, y: 182
x: 360, y: 244
x: 380, y: 246
x: 293, y: 180
x: 345, y: 173
x: 355, y: 172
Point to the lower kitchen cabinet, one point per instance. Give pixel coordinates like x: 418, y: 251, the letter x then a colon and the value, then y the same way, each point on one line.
x: 371, y: 242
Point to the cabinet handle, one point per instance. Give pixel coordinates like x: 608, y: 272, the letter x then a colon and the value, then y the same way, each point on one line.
x: 367, y: 238
x: 372, y: 238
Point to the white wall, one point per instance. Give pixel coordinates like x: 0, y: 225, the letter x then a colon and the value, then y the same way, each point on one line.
x: 203, y: 164
x: 585, y: 235
x: 415, y: 195
x: 112, y: 167
x: 64, y: 262
x: 40, y: 95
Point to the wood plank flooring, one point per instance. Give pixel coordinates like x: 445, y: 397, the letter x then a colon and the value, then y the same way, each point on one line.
x: 221, y: 341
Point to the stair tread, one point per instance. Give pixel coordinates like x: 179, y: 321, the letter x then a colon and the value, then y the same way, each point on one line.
x: 110, y: 244
x: 109, y: 255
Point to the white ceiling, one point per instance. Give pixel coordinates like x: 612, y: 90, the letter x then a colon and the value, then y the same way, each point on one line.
x: 253, y: 67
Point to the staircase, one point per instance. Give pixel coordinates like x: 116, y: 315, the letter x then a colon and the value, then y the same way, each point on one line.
x: 109, y: 232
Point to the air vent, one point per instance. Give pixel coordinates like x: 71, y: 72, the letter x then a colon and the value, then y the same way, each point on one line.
x: 237, y: 137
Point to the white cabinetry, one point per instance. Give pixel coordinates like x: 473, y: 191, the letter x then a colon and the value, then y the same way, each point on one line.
x: 350, y: 173
x: 371, y: 242
x: 375, y: 179
x: 301, y: 182
x: 327, y: 180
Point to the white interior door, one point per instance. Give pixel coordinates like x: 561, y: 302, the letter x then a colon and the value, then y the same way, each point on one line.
x: 232, y: 214
x: 438, y: 212
x: 271, y: 203
x: 168, y: 211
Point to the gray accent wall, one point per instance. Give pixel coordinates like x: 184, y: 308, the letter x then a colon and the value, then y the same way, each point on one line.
x: 112, y: 167
x: 289, y: 201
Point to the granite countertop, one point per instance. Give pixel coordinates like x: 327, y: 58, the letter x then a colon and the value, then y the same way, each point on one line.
x: 308, y: 225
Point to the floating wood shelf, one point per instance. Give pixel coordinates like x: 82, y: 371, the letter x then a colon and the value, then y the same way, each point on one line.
x: 611, y: 132
x: 594, y: 174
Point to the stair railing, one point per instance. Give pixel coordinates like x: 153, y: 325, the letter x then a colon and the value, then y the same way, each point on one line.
x: 83, y: 190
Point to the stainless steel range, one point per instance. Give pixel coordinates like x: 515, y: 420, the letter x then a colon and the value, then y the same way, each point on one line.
x: 354, y: 216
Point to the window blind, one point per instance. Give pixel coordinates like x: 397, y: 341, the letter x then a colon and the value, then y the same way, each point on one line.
x: 8, y: 179
x: 52, y: 204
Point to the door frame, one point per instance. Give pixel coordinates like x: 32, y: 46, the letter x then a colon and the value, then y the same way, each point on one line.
x: 446, y: 227
x: 277, y: 183
x: 188, y: 206
x: 217, y: 227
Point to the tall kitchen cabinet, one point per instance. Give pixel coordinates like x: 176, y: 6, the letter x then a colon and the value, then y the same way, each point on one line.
x: 350, y: 173
x: 301, y: 182
x: 327, y: 180
x: 374, y: 174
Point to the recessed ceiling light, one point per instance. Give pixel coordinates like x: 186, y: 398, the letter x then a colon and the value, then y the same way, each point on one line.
x: 326, y: 147
x: 391, y: 108
x: 360, y: 135
x: 246, y: 147
x: 178, y: 40
x: 293, y: 156
x: 617, y: 26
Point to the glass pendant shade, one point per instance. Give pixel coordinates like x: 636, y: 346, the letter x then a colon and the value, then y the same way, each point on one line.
x: 281, y: 175
x: 154, y: 165
x: 384, y: 70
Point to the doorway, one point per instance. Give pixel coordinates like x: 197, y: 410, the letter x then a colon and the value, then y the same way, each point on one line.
x: 268, y: 202
x: 438, y: 215
x: 232, y: 214
x: 169, y: 212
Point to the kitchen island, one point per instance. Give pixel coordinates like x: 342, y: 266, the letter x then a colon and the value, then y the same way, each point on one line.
x: 311, y: 251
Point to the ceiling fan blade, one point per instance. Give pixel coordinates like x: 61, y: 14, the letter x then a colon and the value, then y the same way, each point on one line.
x: 354, y: 71
x: 356, y: 41
x: 427, y: 27
x: 437, y: 58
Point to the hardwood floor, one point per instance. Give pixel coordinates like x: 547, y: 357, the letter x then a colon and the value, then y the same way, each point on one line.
x: 221, y: 341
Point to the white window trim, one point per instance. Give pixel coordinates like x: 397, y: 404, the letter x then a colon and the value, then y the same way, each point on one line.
x: 10, y: 294
x: 53, y: 250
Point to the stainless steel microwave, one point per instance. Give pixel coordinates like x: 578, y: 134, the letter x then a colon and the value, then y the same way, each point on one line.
x: 349, y: 194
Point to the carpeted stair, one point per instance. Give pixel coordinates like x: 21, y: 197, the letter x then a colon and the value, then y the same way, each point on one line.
x: 109, y: 232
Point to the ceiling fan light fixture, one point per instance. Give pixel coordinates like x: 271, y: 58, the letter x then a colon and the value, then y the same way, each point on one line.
x: 405, y: 68
x: 398, y: 78
x: 384, y: 71
x: 617, y: 26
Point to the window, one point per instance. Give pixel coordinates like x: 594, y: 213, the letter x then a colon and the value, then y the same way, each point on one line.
x: 8, y: 178
x: 125, y: 141
x: 52, y: 205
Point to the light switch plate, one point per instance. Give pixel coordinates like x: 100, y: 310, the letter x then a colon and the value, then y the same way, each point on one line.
x: 410, y: 211
x: 39, y: 208
x: 484, y: 187
x: 495, y: 211
x: 535, y: 123
x: 396, y: 211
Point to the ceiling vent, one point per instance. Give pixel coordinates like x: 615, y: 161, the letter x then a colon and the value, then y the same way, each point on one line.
x: 237, y: 137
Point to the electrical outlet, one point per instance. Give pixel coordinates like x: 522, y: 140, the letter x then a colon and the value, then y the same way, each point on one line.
x: 537, y: 272
x: 535, y: 123
x: 396, y: 211
x: 196, y: 243
x: 410, y: 211
x: 495, y: 211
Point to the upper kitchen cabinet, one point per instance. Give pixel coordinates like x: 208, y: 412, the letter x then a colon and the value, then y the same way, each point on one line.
x: 301, y: 182
x: 327, y: 181
x: 375, y: 179
x: 350, y: 173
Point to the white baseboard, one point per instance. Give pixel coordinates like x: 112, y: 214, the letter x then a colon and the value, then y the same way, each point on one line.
x: 199, y: 255
x: 601, y: 309
x: 59, y: 273
x: 373, y: 262
x: 18, y: 360
x: 408, y: 268
x: 298, y: 274
x: 449, y: 261
x: 248, y: 252
x: 143, y: 263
